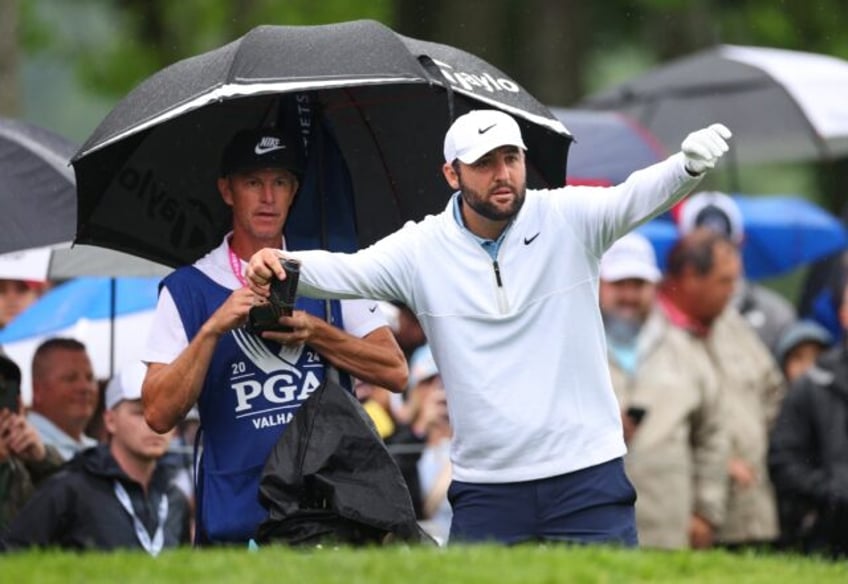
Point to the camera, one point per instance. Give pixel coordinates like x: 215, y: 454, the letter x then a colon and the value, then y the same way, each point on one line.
x: 266, y: 317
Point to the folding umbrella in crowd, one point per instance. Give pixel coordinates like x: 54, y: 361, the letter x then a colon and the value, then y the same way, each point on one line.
x: 781, y: 233
x: 111, y: 316
x: 781, y: 105
x: 372, y: 107
x: 607, y: 147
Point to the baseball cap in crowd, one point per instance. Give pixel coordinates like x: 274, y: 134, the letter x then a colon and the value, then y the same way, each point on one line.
x: 126, y: 385
x: 632, y: 256
x: 421, y: 366
x: 800, y: 332
x: 715, y: 211
x: 261, y: 148
x: 479, y: 131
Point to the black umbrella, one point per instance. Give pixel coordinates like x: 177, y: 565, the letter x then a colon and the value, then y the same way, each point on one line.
x: 372, y: 106
x: 35, y: 176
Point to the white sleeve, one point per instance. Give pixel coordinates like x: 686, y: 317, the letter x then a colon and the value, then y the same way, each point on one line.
x: 380, y: 272
x: 167, y: 338
x: 600, y: 215
x: 361, y: 317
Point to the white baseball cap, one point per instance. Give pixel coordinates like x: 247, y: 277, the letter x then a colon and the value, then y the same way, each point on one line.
x: 480, y: 131
x: 631, y: 257
x: 126, y: 385
x: 715, y: 211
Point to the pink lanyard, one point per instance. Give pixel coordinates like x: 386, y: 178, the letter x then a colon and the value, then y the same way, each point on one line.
x: 235, y: 266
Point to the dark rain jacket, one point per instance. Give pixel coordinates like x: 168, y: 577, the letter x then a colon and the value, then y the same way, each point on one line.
x: 330, y: 479
x: 77, y: 508
x: 808, y: 458
x: 18, y: 480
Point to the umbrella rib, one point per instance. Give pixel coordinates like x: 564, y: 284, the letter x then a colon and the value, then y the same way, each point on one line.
x: 62, y: 166
x: 370, y: 128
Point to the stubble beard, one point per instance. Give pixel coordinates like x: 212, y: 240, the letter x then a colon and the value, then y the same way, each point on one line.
x: 484, y: 207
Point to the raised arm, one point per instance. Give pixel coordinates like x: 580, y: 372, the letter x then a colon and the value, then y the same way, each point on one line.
x: 601, y: 215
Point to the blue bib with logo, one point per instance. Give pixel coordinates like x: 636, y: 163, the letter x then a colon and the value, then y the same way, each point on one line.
x: 251, y: 391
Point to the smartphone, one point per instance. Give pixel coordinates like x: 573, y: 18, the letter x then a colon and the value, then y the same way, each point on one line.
x: 9, y: 392
x: 636, y: 414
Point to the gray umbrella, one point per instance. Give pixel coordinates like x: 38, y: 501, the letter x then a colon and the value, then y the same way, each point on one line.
x: 381, y: 101
x: 781, y: 105
x: 39, y: 202
x: 37, y: 191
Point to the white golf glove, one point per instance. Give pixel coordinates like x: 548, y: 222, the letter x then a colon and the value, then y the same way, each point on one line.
x: 703, y: 148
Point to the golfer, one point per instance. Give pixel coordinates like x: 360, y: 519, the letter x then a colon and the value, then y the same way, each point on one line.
x: 505, y: 284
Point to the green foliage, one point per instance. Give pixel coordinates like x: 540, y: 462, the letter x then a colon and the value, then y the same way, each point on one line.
x: 114, y: 44
x: 520, y: 565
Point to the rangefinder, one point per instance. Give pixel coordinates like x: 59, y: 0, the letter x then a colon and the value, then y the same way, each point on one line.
x: 266, y: 317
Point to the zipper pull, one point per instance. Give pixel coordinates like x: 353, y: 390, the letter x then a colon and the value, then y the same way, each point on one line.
x: 497, y: 273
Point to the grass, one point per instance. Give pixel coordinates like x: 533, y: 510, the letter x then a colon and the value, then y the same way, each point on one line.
x: 467, y: 565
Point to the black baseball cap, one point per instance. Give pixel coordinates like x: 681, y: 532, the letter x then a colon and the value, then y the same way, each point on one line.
x: 261, y: 148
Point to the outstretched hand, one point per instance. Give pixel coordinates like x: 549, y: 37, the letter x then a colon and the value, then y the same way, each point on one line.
x: 703, y: 148
x: 264, y: 265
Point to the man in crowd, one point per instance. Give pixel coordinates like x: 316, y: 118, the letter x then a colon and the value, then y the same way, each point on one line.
x: 701, y: 274
x: 504, y: 283
x: 808, y: 453
x: 112, y: 496
x: 669, y: 396
x: 24, y: 459
x: 64, y: 395
x: 248, y: 385
x: 16, y: 296
x: 768, y: 313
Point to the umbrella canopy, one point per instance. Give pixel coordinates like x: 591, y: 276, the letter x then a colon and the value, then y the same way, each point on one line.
x: 38, y: 197
x: 782, y: 233
x: 37, y: 192
x: 781, y: 105
x: 146, y: 176
x: 607, y: 147
x: 61, y: 262
x: 83, y: 309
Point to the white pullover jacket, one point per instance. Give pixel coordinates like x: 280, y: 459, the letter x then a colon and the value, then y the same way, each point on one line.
x: 519, y: 342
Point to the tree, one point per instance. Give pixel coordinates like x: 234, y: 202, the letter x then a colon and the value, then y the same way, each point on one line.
x: 9, y: 89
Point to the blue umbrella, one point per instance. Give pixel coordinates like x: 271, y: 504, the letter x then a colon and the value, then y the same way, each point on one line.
x: 782, y: 233
x: 111, y: 316
x: 607, y: 146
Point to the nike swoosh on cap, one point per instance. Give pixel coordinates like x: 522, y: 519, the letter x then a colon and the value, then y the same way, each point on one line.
x: 260, y: 149
x: 486, y: 129
x: 372, y: 308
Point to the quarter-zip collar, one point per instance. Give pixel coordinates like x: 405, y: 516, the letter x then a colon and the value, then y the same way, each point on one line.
x: 492, y: 246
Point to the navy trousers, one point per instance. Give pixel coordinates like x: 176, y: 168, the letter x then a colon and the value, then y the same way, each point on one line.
x: 591, y: 505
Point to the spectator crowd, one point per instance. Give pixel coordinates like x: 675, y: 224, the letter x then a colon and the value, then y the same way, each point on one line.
x: 734, y: 412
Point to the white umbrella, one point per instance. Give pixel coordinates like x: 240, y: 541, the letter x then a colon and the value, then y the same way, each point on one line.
x: 111, y: 316
x: 781, y: 105
x: 62, y: 261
